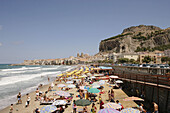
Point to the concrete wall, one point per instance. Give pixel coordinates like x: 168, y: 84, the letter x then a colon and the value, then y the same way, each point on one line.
x: 150, y: 93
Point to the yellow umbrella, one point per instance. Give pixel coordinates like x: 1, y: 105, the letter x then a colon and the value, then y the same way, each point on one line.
x: 60, y: 75
x: 86, y: 71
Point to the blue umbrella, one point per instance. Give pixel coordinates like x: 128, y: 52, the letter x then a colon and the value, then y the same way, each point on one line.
x: 48, y: 109
x: 93, y: 90
x: 86, y: 87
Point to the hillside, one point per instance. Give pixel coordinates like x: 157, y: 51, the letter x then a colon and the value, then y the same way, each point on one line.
x: 137, y: 38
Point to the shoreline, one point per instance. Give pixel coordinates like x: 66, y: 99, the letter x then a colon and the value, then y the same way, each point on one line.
x: 20, y: 108
x: 32, y: 94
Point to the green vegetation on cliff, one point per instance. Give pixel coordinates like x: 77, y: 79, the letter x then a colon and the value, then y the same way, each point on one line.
x: 160, y: 48
x: 114, y: 37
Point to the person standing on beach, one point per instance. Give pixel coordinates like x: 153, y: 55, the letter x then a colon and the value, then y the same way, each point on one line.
x: 37, y: 94
x: 28, y: 100
x: 11, y: 108
x: 93, y: 109
x: 74, y: 107
x: 155, y: 107
x: 19, y: 98
x: 48, y: 79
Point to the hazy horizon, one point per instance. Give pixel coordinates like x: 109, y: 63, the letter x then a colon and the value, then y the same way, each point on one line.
x: 52, y: 29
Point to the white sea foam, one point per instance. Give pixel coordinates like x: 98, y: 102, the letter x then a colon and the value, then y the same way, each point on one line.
x: 15, y: 69
x: 49, y: 68
x: 26, y: 77
x: 22, y: 68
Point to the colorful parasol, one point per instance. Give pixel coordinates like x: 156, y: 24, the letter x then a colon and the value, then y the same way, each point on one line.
x: 71, y: 86
x: 61, y: 85
x: 63, y: 93
x: 69, y: 82
x: 130, y: 110
x: 48, y: 109
x: 108, y: 110
x: 112, y: 105
x: 59, y: 102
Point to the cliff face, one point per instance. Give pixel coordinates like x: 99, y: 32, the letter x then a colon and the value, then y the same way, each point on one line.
x: 137, y: 38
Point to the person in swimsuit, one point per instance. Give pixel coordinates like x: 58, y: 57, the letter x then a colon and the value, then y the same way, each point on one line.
x: 155, y: 107
x: 93, y: 109
x: 19, y: 98
x: 37, y: 94
x: 11, y: 108
x: 28, y: 100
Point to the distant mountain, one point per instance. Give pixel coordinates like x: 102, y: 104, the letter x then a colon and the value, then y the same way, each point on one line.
x: 137, y: 38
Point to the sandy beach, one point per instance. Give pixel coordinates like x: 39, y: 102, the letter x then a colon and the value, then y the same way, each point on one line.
x: 20, y: 108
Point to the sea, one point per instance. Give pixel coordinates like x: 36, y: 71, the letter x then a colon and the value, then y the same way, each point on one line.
x: 24, y: 79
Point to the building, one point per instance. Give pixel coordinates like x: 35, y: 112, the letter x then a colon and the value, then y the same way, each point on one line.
x: 112, y: 56
x: 167, y: 53
x: 134, y: 56
x: 156, y: 59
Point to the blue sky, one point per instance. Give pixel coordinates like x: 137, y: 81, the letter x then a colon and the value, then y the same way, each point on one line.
x: 45, y: 29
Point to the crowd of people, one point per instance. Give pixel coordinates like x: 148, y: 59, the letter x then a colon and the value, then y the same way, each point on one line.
x: 82, y: 94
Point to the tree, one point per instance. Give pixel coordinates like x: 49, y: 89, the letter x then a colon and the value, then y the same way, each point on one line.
x: 123, y: 60
x: 165, y: 59
x: 147, y: 59
x: 132, y: 61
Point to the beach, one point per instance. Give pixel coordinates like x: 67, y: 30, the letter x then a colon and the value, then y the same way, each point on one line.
x: 20, y: 108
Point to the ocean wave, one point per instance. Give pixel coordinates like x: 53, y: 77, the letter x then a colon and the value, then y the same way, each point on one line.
x: 26, y: 77
x: 20, y: 69
x: 50, y: 68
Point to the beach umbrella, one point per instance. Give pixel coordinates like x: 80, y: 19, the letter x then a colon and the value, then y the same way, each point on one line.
x: 129, y: 110
x: 93, y: 77
x: 48, y: 109
x: 69, y: 78
x: 59, y: 102
x: 113, y: 76
x: 71, y: 86
x: 96, y: 75
x: 84, y: 87
x: 61, y: 85
x: 133, y: 98
x: 108, y: 110
x: 83, y: 76
x: 60, y: 75
x: 82, y: 102
x: 69, y: 82
x: 119, y: 81
x: 89, y: 74
x: 101, y: 82
x: 96, y: 85
x: 63, y: 93
x: 93, y: 90
x: 112, y: 105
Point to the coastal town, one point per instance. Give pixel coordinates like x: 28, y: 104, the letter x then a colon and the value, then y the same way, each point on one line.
x: 156, y: 57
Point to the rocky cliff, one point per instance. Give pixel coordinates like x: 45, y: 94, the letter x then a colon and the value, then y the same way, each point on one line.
x: 137, y: 38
